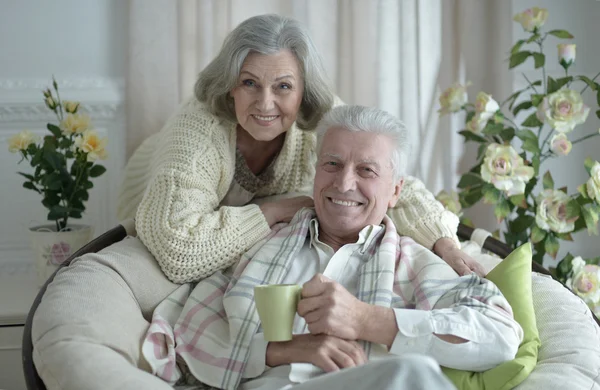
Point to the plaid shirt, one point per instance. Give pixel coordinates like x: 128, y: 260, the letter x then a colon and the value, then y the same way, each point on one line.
x: 211, y: 326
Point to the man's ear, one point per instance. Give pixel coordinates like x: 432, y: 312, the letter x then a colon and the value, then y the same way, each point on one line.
x: 396, y: 194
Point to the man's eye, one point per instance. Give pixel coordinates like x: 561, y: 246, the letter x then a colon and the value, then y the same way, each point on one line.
x: 331, y: 163
x: 249, y: 83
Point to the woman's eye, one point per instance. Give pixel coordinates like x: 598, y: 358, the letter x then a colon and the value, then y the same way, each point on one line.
x: 331, y: 163
x: 285, y: 86
x: 249, y: 83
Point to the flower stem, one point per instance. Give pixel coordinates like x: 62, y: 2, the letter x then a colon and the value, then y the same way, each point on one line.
x: 584, y: 138
x: 530, y: 83
x: 541, y: 45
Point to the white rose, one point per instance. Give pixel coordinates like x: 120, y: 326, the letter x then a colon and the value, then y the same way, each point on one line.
x: 532, y: 18
x: 593, y: 184
x: 75, y: 124
x: 453, y: 98
x: 551, y: 214
x: 566, y: 53
x: 89, y: 142
x: 505, y: 169
x: 560, y: 144
x: 485, y: 106
x: 563, y: 110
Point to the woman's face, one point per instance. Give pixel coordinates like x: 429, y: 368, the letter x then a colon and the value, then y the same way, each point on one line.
x: 268, y: 95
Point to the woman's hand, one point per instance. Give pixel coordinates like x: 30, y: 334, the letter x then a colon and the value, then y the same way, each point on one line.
x: 461, y: 262
x: 284, y: 210
x: 329, y: 353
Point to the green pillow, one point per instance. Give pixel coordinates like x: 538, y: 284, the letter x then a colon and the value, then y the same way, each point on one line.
x: 513, y: 278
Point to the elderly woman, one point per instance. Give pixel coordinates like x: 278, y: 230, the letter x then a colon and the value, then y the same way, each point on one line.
x: 245, y: 138
x: 247, y: 135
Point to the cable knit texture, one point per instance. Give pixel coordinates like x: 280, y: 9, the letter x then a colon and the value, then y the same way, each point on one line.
x: 175, y: 182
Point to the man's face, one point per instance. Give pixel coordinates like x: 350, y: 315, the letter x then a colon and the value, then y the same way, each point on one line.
x: 354, y: 183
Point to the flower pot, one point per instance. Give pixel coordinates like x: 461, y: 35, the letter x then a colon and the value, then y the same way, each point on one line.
x: 52, y: 248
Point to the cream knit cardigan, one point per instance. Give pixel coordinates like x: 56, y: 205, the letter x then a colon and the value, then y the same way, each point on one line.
x: 175, y: 181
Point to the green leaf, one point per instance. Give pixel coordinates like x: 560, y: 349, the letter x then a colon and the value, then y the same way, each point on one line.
x: 87, y: 185
x: 598, y: 113
x: 519, y: 201
x: 564, y: 267
x: 536, y: 99
x: 539, y: 59
x: 57, y: 212
x: 507, y: 134
x: 561, y: 82
x: 522, y: 106
x: 481, y: 151
x: 533, y: 38
x: 470, y: 136
x: 564, y: 34
x: 471, y: 196
x: 55, y: 130
x: 470, y: 180
x: 502, y: 210
x: 522, y: 223
x: 30, y: 186
x: 52, y: 181
x: 537, y: 234
x: 535, y: 163
x: 532, y: 121
x: 97, y: 170
x: 588, y: 163
x: 531, y: 146
x: 552, y: 85
x: 50, y: 200
x: 598, y: 98
x: 493, y: 128
x: 518, y: 58
x: 526, y: 134
x: 573, y: 209
x: 491, y: 195
x: 517, y: 46
x: 27, y: 176
x: 547, y: 181
x: 551, y: 245
x: 588, y: 81
x: 565, y: 236
x: 582, y: 189
x: 591, y: 220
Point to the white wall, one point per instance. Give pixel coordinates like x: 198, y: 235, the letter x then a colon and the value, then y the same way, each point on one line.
x: 83, y: 44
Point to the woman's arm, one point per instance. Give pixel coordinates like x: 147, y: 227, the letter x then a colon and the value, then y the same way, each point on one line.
x: 420, y: 216
x: 179, y: 218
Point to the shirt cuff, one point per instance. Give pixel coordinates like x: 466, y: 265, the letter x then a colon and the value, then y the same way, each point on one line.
x: 415, y: 332
x: 258, y: 355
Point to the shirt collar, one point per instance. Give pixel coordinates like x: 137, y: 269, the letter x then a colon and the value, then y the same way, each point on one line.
x: 365, y: 236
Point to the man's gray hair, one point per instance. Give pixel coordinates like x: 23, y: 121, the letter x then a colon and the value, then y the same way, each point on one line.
x: 371, y: 120
x: 266, y: 34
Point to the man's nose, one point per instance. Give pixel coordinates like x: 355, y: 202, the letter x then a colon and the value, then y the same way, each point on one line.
x: 266, y: 100
x: 345, y: 180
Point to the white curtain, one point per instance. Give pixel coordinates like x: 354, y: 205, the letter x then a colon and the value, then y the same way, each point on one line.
x: 394, y: 54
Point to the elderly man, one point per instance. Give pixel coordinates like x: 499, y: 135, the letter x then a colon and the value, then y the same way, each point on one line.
x: 368, y: 294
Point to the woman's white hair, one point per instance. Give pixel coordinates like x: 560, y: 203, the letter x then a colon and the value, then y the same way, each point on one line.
x: 371, y: 120
x: 266, y: 34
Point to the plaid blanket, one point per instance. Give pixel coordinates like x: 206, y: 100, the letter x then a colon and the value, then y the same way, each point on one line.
x: 210, y: 326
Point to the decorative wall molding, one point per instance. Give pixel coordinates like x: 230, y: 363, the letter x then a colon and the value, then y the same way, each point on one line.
x: 21, y: 99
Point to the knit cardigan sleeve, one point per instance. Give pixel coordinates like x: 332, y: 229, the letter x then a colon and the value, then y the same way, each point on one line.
x: 420, y: 216
x: 179, y: 218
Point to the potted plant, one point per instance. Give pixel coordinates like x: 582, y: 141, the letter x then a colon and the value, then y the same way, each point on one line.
x: 63, y: 164
x: 512, y: 153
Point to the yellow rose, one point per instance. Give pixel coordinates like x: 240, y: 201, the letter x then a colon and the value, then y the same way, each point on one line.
x: 450, y: 201
x: 71, y: 107
x: 75, y: 123
x: 563, y: 110
x: 505, y: 169
x: 89, y: 142
x: 560, y: 144
x: 532, y: 18
x: 453, y: 98
x: 593, y: 184
x: 21, y: 141
x: 552, y: 212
